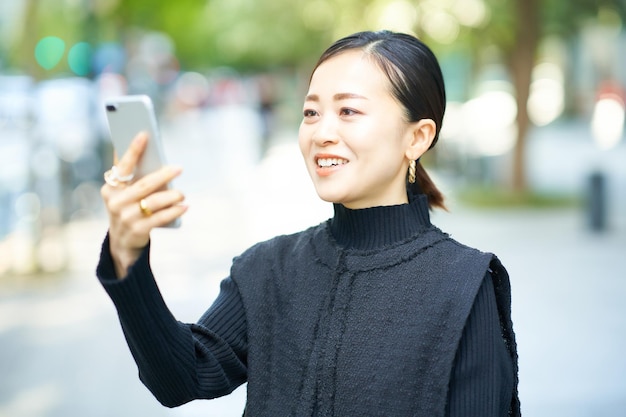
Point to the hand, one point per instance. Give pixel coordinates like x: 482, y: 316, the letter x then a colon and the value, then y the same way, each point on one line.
x: 129, y: 224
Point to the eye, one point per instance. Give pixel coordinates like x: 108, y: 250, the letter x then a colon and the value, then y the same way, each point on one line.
x: 309, y: 113
x: 347, y: 112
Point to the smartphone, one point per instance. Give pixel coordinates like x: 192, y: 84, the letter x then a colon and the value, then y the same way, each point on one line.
x: 126, y: 117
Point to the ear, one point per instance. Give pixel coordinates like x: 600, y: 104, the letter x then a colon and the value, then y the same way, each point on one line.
x: 423, y: 134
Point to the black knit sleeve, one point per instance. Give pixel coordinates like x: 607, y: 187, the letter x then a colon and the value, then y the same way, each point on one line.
x: 178, y: 362
x: 482, y: 379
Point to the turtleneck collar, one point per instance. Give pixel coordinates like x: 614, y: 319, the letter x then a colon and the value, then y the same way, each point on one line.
x: 375, y: 227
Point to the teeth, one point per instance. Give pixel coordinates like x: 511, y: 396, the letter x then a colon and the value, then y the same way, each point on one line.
x: 327, y: 162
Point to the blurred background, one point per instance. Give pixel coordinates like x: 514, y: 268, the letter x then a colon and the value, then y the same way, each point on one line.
x: 531, y: 158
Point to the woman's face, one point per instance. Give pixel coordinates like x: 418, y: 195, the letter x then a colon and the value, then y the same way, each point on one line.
x: 353, y: 136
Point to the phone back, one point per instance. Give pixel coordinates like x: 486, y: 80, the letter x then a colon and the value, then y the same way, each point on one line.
x: 129, y: 115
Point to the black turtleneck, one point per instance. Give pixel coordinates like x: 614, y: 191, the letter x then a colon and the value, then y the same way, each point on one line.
x: 375, y: 227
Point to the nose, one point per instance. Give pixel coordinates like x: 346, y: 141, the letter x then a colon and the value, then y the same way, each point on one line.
x: 326, y: 131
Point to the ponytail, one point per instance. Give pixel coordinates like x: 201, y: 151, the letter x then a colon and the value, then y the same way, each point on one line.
x: 424, y: 185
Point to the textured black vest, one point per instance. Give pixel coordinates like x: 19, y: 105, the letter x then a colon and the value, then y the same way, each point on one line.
x: 354, y: 332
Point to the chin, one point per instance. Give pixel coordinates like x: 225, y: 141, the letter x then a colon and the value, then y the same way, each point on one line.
x: 330, y: 197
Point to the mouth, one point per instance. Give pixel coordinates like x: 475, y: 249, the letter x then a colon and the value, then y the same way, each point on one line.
x: 330, y: 162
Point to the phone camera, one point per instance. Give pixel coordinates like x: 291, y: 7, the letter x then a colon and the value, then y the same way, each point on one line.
x: 111, y: 107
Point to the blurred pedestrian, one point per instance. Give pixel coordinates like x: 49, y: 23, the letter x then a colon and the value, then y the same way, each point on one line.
x: 267, y: 101
x: 375, y: 312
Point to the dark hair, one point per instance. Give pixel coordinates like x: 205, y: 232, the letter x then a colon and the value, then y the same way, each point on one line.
x: 416, y: 82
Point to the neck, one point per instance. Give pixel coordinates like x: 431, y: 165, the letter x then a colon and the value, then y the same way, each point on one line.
x: 376, y: 227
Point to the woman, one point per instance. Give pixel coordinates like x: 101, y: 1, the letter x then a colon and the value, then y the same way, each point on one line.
x: 374, y: 312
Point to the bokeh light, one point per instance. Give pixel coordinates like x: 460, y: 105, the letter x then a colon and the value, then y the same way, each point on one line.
x: 192, y: 89
x: 471, y: 13
x: 49, y: 51
x: 399, y: 15
x: 109, y: 57
x: 484, y: 125
x: 607, y: 121
x: 547, y: 94
x: 79, y: 58
x: 442, y: 26
x: 489, y: 120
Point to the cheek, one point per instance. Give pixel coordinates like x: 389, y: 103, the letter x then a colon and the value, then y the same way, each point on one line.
x: 386, y: 144
x: 382, y: 137
x: 401, y: 135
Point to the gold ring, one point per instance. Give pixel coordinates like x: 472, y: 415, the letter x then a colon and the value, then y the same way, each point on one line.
x: 145, y: 210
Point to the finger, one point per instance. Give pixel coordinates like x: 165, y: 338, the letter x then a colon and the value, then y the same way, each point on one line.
x: 154, y: 182
x: 161, y: 200
x: 144, y: 187
x: 126, y: 165
x: 135, y: 222
x: 165, y: 216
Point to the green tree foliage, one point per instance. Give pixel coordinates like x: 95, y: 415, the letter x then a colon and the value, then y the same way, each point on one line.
x: 264, y: 34
x: 239, y: 33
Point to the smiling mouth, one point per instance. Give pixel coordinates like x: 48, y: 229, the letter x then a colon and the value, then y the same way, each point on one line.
x: 330, y: 162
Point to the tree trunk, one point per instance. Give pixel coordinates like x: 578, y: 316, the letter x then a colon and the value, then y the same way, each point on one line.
x: 521, y: 62
x: 27, y: 40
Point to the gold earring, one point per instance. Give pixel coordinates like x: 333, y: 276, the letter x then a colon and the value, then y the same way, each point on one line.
x: 412, y: 177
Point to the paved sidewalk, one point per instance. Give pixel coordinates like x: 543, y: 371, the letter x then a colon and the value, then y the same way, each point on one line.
x: 64, y: 355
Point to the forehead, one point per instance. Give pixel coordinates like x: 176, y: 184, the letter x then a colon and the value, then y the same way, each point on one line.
x: 352, y: 71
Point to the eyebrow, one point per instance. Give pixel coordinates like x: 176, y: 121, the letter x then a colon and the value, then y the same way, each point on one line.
x: 336, y: 97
